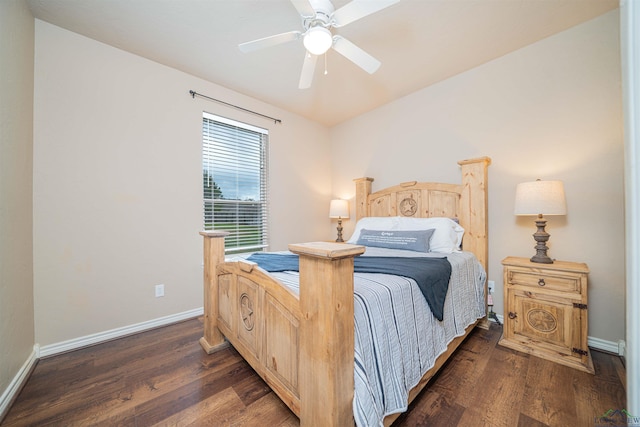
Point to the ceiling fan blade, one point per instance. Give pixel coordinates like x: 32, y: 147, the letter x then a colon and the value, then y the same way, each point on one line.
x: 308, y: 69
x: 356, y: 55
x: 358, y: 9
x: 304, y: 8
x: 269, y: 41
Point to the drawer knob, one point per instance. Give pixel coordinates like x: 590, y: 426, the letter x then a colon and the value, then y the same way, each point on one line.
x: 541, y: 282
x: 512, y: 315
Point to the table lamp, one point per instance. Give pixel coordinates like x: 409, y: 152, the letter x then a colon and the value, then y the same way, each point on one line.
x: 540, y: 198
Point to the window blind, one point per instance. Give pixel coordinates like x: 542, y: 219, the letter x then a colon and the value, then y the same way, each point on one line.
x: 234, y: 182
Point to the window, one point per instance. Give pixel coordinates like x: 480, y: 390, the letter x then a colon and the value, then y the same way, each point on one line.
x: 234, y: 182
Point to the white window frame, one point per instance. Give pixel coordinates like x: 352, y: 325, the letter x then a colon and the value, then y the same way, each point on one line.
x: 235, y: 154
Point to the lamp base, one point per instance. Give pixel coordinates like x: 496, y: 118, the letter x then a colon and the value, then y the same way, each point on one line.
x: 543, y: 259
x: 541, y: 237
x: 339, y: 228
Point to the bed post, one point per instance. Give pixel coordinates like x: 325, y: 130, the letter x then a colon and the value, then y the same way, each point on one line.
x: 473, y: 207
x: 325, y: 374
x: 213, y: 340
x: 363, y: 189
x: 474, y: 213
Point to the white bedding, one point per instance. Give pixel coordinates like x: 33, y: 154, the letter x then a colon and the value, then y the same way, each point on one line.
x: 393, y: 352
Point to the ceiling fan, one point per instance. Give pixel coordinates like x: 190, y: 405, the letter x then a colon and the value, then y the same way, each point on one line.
x: 318, y: 17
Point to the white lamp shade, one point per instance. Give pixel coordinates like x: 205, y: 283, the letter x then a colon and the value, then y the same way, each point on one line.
x: 339, y: 209
x: 317, y: 40
x: 540, y: 197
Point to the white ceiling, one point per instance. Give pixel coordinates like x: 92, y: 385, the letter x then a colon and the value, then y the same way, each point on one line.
x: 419, y: 43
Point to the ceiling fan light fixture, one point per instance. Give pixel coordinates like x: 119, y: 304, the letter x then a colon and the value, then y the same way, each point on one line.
x: 318, y: 18
x: 317, y: 40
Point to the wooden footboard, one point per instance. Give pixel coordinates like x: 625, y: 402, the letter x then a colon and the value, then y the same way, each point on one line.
x: 302, y: 346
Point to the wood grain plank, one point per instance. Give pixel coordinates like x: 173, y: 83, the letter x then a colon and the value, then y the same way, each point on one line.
x: 524, y: 421
x: 155, y: 410
x: 596, y: 394
x: 435, y: 410
x: 207, y: 412
x: 250, y: 390
x: 548, y: 396
x: 499, y: 390
x: 471, y: 362
x: 267, y: 411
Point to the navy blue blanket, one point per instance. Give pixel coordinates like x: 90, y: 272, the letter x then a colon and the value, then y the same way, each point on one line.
x: 431, y: 274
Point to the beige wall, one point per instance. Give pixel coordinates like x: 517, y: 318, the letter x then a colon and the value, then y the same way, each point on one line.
x: 117, y: 184
x: 16, y: 149
x: 552, y: 110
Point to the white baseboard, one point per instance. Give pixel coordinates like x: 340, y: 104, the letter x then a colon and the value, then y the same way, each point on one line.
x: 11, y: 392
x: 608, y: 346
x: 76, y: 343
x: 597, y: 343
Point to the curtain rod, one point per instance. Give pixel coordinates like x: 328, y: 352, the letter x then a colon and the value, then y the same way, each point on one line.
x: 193, y: 94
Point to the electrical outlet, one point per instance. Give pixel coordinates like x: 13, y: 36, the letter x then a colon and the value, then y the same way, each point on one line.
x: 491, y: 285
x: 159, y: 290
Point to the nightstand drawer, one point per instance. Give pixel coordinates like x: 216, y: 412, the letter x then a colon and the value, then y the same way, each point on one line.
x: 544, y: 279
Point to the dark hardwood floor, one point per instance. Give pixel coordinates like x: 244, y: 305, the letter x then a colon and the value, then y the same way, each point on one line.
x: 163, y: 378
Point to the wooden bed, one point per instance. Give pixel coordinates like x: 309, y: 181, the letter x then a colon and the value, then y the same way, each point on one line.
x: 303, y: 346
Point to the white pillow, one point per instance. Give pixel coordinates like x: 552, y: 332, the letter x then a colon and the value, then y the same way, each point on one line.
x: 374, y: 223
x: 446, y: 239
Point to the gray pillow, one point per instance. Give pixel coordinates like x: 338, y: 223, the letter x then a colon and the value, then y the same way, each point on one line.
x: 409, y: 240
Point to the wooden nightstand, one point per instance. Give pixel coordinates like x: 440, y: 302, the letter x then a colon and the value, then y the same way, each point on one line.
x: 545, y: 311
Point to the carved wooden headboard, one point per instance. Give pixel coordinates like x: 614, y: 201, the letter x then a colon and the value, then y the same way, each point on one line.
x: 466, y: 201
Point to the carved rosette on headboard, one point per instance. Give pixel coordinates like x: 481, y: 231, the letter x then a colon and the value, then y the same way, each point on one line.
x: 408, y: 207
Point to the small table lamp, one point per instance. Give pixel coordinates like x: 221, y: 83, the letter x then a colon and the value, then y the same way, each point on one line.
x: 339, y: 209
x: 540, y: 198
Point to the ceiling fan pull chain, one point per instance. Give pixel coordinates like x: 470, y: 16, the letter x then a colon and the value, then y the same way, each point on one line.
x: 325, y: 64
